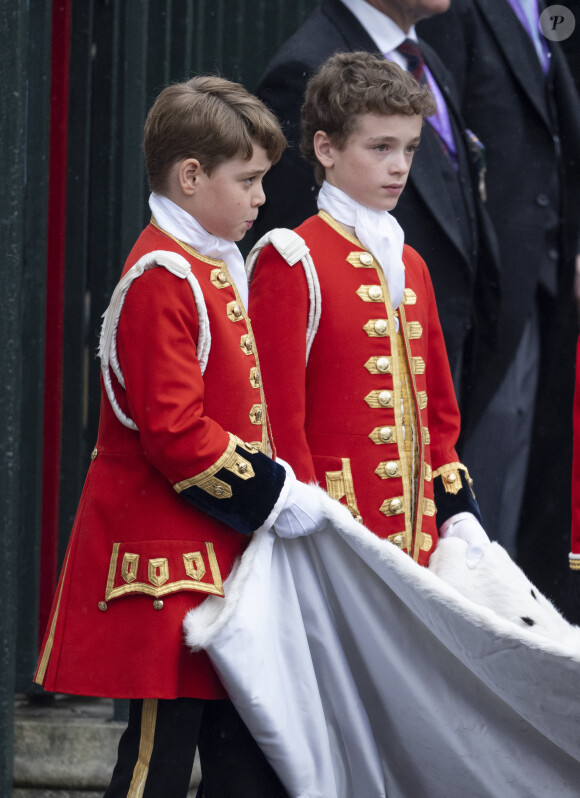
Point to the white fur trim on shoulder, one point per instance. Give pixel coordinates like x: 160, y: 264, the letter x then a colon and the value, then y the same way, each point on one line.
x: 178, y: 266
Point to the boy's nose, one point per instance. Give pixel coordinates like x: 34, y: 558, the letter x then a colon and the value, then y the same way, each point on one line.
x: 259, y: 197
x: 399, y: 164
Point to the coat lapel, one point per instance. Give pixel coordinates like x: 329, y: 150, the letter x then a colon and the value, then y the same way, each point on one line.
x: 350, y: 29
x: 424, y: 175
x: 519, y: 52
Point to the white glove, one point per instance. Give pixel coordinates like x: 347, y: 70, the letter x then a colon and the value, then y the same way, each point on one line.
x: 465, y: 526
x: 302, y: 513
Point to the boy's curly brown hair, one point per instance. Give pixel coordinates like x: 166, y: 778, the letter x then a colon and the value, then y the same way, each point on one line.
x: 350, y: 84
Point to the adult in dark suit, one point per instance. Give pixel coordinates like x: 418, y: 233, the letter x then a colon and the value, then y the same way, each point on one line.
x: 518, y: 96
x: 440, y: 209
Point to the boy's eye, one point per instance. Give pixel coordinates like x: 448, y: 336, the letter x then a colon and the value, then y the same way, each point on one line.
x: 249, y: 180
x: 381, y: 148
x: 412, y: 148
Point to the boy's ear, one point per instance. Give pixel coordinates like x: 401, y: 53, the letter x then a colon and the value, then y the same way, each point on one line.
x: 188, y: 173
x: 323, y: 149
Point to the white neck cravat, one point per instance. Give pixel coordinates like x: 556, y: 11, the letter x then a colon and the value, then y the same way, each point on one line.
x: 183, y: 226
x: 378, y: 231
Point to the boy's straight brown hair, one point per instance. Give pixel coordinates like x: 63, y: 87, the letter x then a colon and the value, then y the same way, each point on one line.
x: 350, y: 84
x: 208, y: 118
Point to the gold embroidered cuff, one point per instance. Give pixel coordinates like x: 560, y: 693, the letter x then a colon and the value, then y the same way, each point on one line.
x: 230, y: 460
x: 451, y: 478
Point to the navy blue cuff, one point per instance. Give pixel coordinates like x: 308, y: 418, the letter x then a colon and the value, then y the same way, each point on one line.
x: 240, y: 489
x: 449, y: 502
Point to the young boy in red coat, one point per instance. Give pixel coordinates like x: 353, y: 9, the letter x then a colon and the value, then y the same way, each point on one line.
x: 352, y: 354
x: 182, y: 470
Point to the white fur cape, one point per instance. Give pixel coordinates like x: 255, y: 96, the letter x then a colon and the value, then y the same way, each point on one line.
x: 361, y: 674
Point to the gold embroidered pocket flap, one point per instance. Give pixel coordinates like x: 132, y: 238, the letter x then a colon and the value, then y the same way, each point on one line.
x: 159, y: 567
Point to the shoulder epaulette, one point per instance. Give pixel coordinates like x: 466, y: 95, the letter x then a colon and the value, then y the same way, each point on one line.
x: 293, y: 248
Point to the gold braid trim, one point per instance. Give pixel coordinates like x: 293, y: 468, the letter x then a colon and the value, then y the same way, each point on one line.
x: 229, y: 460
x: 449, y: 474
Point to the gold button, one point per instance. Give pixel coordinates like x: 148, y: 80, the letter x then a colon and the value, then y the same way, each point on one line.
x: 103, y: 606
x: 222, y: 277
x: 157, y: 604
x: 451, y: 477
x: 237, y: 311
x: 218, y: 490
x: 385, y: 398
x: 381, y: 327
x: 242, y: 467
x: 375, y: 292
x: 398, y: 540
x: 396, y: 505
x: 248, y: 344
x: 358, y: 518
x: 385, y: 434
x: 392, y: 468
x: 383, y: 365
x: 94, y: 454
x: 366, y: 258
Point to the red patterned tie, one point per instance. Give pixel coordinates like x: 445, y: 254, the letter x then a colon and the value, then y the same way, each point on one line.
x: 415, y: 64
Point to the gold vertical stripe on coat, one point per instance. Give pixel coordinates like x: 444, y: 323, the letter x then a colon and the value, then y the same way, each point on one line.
x: 148, y: 721
x: 41, y: 672
x: 423, y: 438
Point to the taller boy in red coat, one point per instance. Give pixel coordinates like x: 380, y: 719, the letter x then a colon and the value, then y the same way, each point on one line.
x: 182, y: 469
x: 352, y: 353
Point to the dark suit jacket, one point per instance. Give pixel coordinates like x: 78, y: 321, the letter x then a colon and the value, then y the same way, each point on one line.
x: 530, y: 125
x: 455, y: 238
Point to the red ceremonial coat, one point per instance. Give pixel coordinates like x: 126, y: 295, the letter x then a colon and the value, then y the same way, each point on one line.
x: 140, y: 555
x: 338, y: 418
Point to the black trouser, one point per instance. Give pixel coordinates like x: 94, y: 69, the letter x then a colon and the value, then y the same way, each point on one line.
x: 157, y: 749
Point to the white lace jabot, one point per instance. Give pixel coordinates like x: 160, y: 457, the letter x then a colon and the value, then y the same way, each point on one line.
x: 183, y: 226
x: 378, y: 231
